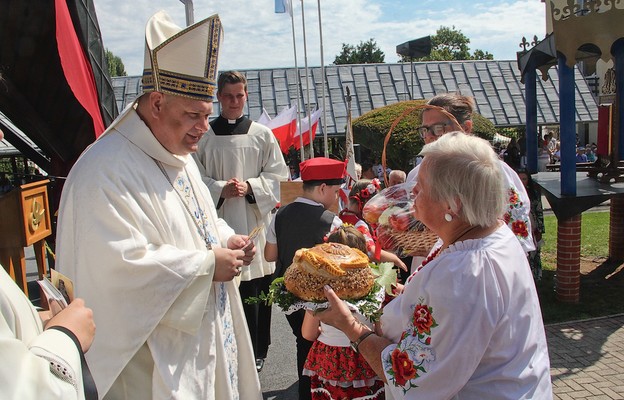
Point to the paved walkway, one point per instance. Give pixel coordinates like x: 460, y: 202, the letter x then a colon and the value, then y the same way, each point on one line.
x: 587, y: 358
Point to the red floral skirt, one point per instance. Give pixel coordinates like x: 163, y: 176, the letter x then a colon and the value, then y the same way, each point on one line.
x: 338, y: 373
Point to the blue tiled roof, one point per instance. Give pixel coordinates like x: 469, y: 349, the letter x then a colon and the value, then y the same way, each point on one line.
x: 494, y: 84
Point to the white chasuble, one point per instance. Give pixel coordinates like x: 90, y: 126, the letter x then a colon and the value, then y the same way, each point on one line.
x: 134, y: 224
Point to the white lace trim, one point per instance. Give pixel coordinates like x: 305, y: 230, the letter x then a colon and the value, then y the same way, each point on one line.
x: 356, y: 384
x: 370, y: 397
x: 353, y: 306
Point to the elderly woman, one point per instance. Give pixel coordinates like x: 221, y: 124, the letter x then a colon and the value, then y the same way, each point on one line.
x: 468, y: 323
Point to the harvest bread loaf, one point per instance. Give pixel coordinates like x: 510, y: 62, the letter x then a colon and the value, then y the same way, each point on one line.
x: 343, y: 268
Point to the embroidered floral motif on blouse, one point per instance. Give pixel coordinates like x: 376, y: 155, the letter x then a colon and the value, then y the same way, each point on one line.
x: 516, y: 216
x: 409, y: 360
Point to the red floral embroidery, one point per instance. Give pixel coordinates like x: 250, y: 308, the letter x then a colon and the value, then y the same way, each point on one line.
x: 403, y: 367
x: 516, y: 216
x: 519, y: 228
x: 423, y: 320
x: 507, y: 218
x: 410, y: 359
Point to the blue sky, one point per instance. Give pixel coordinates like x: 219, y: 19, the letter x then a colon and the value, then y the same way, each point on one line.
x: 256, y: 37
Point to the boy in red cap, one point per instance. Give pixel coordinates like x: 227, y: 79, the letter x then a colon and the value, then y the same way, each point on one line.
x: 304, y: 223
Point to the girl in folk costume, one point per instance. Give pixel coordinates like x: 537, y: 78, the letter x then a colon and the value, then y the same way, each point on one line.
x: 361, y: 192
x: 337, y: 371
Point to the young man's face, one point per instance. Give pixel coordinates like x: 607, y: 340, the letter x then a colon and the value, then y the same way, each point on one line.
x: 232, y: 98
x: 180, y: 122
x: 329, y: 194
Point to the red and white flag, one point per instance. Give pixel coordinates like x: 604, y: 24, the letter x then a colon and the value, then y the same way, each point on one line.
x: 306, y: 130
x: 283, y: 126
x: 264, y: 119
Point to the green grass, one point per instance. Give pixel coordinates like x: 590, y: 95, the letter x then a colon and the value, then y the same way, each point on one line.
x: 602, y: 287
x: 594, y: 234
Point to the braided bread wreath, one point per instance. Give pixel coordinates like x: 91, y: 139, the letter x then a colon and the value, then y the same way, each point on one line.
x: 343, y: 268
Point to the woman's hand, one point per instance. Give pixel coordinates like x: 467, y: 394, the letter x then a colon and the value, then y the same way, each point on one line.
x: 339, y: 316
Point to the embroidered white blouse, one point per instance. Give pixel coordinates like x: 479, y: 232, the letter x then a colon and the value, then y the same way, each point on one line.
x: 468, y: 326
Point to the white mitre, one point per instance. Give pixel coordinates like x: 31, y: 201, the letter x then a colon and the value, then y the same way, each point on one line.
x: 180, y: 61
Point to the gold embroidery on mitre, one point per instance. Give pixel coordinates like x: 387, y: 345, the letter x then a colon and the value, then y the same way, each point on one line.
x: 179, y: 84
x: 164, y: 76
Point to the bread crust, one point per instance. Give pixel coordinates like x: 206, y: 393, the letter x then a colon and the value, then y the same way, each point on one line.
x: 343, y: 268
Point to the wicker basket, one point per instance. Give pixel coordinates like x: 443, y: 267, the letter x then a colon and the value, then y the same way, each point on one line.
x: 414, y: 243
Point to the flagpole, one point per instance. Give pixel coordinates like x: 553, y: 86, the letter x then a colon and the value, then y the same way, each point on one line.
x: 292, y: 22
x: 349, y: 133
x: 305, y: 57
x: 323, y: 81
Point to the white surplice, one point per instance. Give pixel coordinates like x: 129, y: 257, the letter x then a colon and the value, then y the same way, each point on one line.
x: 256, y: 158
x: 36, y: 364
x: 138, y: 257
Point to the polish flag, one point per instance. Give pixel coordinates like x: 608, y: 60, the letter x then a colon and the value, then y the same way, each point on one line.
x: 264, y: 118
x: 283, y: 126
x: 305, y: 128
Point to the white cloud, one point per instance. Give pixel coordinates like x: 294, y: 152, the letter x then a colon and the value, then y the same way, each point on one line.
x: 256, y: 37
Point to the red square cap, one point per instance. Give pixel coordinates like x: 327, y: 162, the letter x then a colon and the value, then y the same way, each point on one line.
x: 323, y: 170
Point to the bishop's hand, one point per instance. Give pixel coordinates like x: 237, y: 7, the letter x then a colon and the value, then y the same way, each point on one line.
x: 228, y: 264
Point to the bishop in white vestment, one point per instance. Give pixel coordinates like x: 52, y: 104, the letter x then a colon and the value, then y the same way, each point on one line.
x: 139, y: 235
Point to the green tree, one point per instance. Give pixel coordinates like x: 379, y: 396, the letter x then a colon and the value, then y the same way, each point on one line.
x: 482, y: 55
x: 450, y: 44
x: 364, y: 53
x: 115, y: 65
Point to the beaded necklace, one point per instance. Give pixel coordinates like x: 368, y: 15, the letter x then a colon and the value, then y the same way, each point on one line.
x: 202, y: 229
x: 425, y: 262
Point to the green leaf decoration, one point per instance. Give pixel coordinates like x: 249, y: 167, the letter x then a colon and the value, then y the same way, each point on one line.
x: 386, y: 275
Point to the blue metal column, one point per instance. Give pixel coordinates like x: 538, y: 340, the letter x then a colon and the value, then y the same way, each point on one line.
x: 567, y: 123
x: 530, y: 92
x: 618, y: 53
